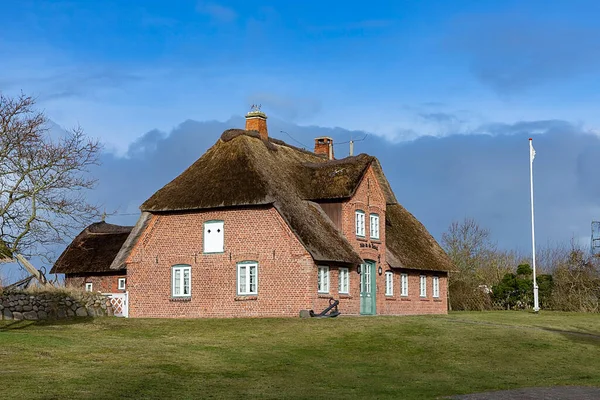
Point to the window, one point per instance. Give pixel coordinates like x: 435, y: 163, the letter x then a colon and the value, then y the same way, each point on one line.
x: 389, y: 283
x: 344, y: 286
x: 360, y: 223
x: 181, y: 281
x: 323, y: 280
x: 404, y: 285
x: 247, y: 277
x: 436, y: 286
x: 374, y: 226
x: 213, y: 237
x: 121, y: 284
x: 423, y: 286
x: 89, y: 286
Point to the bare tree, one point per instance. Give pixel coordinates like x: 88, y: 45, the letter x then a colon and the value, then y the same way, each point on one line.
x: 43, y: 180
x: 480, y: 264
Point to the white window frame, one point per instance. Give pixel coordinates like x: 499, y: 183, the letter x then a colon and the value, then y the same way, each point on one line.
x: 374, y: 226
x: 322, y: 279
x: 423, y: 286
x: 359, y: 222
x: 436, y: 286
x: 389, y: 283
x: 121, y: 284
x: 89, y: 286
x: 344, y: 281
x: 182, y: 269
x: 404, y: 285
x: 245, y: 288
x: 220, y: 246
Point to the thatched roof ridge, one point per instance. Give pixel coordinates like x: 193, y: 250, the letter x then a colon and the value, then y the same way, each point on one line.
x: 409, y: 245
x: 223, y: 177
x: 93, y: 250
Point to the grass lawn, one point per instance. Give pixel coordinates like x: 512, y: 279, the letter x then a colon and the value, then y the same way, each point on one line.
x: 346, y: 357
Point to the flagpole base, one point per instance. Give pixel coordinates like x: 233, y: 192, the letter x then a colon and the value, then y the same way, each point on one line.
x: 536, y: 309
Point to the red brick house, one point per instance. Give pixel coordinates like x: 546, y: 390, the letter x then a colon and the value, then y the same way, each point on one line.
x: 86, y: 261
x: 257, y: 227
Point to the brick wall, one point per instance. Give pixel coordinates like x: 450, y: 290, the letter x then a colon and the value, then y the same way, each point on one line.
x: 413, y: 303
x: 104, y: 283
x: 287, y: 275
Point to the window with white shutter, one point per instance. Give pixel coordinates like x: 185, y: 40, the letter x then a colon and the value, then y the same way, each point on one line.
x: 214, y: 237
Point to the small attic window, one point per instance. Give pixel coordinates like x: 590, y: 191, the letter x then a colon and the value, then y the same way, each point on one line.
x: 214, y: 237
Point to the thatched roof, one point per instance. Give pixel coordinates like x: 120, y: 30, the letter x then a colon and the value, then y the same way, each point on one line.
x: 409, y: 245
x: 243, y: 170
x: 93, y: 250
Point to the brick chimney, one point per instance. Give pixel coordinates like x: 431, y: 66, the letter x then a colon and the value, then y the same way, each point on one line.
x: 256, y: 120
x: 324, y: 146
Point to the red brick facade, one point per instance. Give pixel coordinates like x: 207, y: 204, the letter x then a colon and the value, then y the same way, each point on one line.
x: 287, y: 274
x: 101, y: 282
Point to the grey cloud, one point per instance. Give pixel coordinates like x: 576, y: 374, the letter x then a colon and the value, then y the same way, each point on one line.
x: 438, y: 179
x: 485, y: 176
x: 510, y: 53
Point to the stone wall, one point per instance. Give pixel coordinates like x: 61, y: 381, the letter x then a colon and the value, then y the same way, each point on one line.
x: 20, y: 305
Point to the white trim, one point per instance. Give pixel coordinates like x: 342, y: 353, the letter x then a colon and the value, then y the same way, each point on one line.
x: 245, y: 284
x: 344, y: 281
x: 374, y: 226
x: 121, y: 284
x: 359, y: 223
x: 389, y: 283
x: 404, y: 285
x: 178, y: 281
x: 89, y: 286
x: 322, y: 279
x: 436, y: 287
x: 423, y: 286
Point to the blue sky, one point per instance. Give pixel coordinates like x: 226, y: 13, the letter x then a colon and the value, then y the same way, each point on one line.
x: 121, y: 68
x: 402, y: 71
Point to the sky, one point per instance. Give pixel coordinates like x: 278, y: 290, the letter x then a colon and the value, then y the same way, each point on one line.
x: 448, y: 93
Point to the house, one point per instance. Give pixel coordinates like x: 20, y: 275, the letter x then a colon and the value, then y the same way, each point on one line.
x: 257, y: 228
x: 86, y: 261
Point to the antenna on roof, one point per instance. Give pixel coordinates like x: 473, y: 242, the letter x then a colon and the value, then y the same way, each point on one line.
x: 351, y: 141
x: 300, y: 143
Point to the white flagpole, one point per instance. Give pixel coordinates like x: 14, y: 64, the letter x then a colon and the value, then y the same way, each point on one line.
x: 536, y: 305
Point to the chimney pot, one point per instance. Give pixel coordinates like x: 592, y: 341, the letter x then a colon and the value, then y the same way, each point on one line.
x: 324, y: 146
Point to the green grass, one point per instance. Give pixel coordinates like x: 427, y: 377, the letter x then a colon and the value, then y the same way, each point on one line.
x: 376, y: 357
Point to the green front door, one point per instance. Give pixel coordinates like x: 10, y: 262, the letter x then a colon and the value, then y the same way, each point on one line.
x: 367, y: 288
